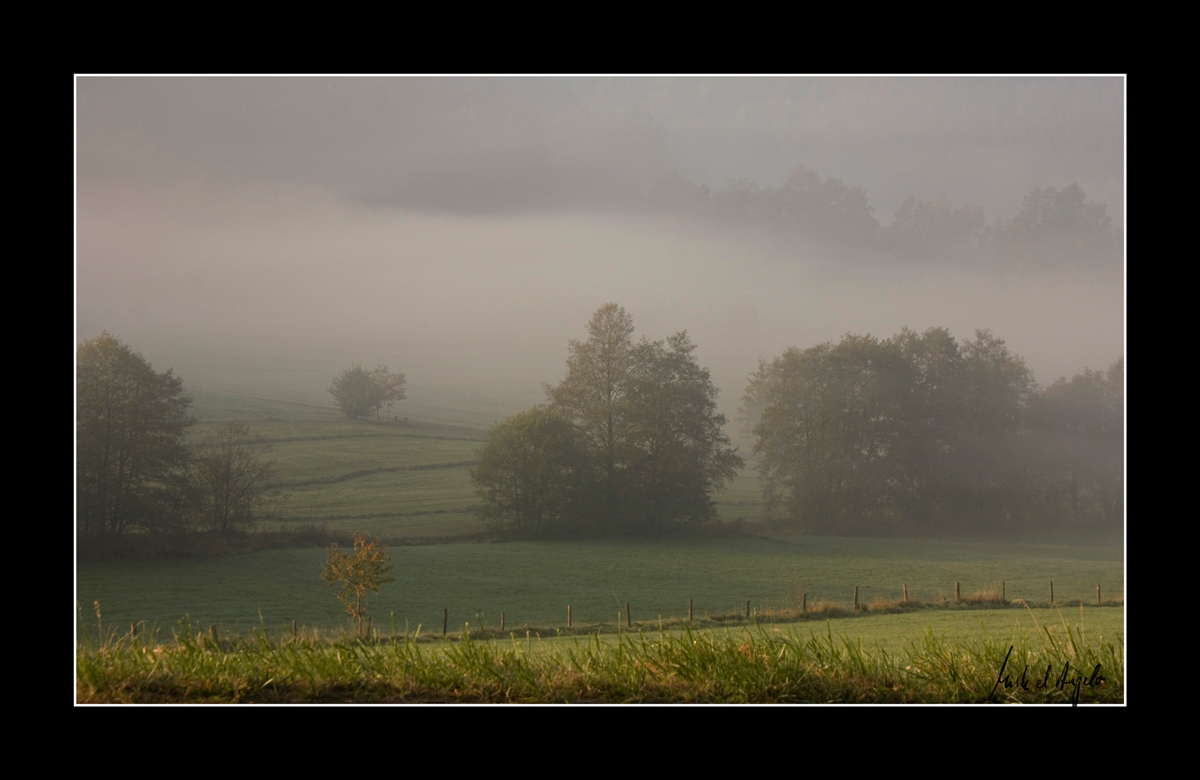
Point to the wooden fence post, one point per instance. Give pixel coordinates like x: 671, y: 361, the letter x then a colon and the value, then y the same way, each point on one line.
x: 905, y: 593
x: 1051, y: 592
x: 856, y: 598
x: 628, y: 624
x: 501, y: 622
x: 689, y: 610
x: 1002, y: 596
x: 445, y: 619
x: 804, y: 602
x: 568, y: 616
x: 1097, y: 594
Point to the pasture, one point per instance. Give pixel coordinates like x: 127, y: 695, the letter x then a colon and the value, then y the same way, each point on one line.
x: 533, y: 582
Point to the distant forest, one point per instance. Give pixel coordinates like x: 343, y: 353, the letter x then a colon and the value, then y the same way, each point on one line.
x: 1053, y: 225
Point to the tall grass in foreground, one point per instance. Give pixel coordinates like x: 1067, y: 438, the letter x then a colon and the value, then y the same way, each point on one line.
x: 745, y: 665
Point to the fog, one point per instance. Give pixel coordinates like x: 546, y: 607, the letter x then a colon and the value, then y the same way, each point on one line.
x: 258, y: 235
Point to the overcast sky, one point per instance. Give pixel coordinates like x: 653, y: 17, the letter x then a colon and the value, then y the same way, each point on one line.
x: 462, y: 230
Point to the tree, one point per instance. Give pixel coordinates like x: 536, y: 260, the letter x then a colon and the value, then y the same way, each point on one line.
x: 921, y: 226
x: 1057, y: 223
x: 359, y: 392
x: 679, y: 453
x: 593, y: 397
x: 1082, y: 422
x: 915, y: 430
x: 824, y: 435
x: 651, y: 446
x: 526, y: 474
x: 358, y: 573
x: 233, y: 481
x: 130, y: 463
x: 391, y: 387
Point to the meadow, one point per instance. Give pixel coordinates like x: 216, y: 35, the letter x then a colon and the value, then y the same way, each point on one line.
x: 409, y: 482
x: 533, y: 582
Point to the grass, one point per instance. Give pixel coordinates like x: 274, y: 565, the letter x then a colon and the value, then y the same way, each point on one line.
x: 532, y: 582
x: 749, y: 665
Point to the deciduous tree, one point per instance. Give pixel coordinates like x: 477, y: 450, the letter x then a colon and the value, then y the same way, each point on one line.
x: 528, y: 474
x: 233, y: 480
x: 358, y: 573
x: 130, y: 457
x: 360, y: 392
x: 652, y: 446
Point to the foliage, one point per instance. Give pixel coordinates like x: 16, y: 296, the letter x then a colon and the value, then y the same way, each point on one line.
x: 650, y: 446
x: 234, y: 484
x: 130, y: 463
x: 923, y: 226
x: 921, y: 432
x: 525, y: 474
x: 358, y: 573
x: 678, y: 451
x: 1057, y: 223
x: 826, y: 209
x: 1080, y: 427
x: 630, y: 443
x: 360, y: 392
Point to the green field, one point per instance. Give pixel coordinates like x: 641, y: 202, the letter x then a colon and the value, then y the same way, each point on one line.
x: 532, y: 582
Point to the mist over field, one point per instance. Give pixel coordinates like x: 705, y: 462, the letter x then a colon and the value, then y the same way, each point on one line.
x: 260, y: 235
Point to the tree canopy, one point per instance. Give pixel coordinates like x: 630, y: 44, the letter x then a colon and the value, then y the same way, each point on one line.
x: 922, y: 432
x: 130, y: 424
x: 629, y: 443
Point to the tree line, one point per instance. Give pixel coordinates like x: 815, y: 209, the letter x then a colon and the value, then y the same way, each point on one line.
x: 921, y: 433
x: 915, y: 433
x: 1053, y: 223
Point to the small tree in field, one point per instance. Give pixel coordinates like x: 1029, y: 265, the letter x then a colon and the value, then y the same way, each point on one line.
x: 358, y: 573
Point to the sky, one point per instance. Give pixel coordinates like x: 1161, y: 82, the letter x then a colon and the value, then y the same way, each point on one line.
x: 260, y: 234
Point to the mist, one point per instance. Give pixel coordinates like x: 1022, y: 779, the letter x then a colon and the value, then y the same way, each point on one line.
x: 259, y: 235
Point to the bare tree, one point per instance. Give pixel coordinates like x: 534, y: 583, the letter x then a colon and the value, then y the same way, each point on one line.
x: 235, y: 483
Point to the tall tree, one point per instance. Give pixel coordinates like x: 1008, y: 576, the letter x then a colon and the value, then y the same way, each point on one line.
x: 593, y: 396
x: 650, y: 443
x: 129, y: 436
x: 679, y: 453
x: 823, y: 434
